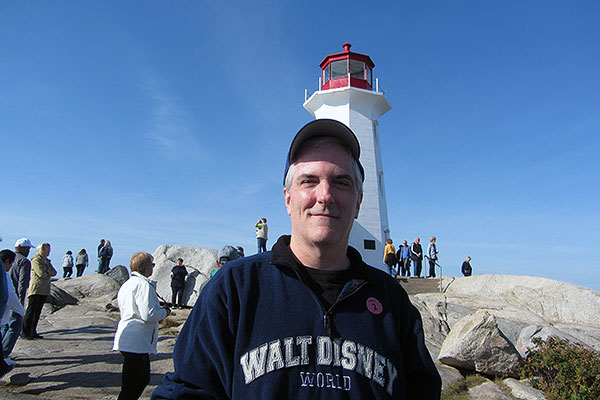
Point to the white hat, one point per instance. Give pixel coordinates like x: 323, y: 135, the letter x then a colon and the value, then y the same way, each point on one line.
x: 23, y: 242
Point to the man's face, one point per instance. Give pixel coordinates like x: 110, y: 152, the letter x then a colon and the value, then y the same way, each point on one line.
x: 322, y: 201
x: 24, y: 251
x: 404, y: 243
x: 417, y: 240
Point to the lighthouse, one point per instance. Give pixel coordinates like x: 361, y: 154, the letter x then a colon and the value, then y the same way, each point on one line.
x: 347, y: 94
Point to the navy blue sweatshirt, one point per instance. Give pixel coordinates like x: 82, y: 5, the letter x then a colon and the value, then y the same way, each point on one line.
x: 258, y: 332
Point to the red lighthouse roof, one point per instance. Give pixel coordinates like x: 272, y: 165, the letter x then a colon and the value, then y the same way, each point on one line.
x: 347, y: 69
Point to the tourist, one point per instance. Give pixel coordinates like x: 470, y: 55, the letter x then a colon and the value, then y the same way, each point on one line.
x: 100, y: 247
x: 262, y: 234
x: 416, y: 254
x: 106, y: 254
x: 178, y: 275
x: 389, y: 255
x: 308, y: 319
x: 432, y: 257
x: 240, y: 250
x: 403, y: 256
x: 39, y: 289
x: 224, y: 255
x: 4, y: 367
x: 466, y: 267
x: 20, y: 274
x: 13, y: 304
x: 137, y: 332
x: 81, y: 262
x: 67, y: 264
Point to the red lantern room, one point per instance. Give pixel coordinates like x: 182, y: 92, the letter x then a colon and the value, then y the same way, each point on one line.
x: 347, y: 69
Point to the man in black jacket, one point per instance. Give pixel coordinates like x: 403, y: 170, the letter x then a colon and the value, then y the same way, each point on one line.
x: 416, y: 254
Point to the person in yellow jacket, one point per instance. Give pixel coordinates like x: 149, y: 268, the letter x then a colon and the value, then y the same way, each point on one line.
x: 389, y: 254
x: 39, y: 289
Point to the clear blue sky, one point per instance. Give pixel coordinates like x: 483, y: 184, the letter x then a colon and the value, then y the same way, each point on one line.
x: 152, y: 123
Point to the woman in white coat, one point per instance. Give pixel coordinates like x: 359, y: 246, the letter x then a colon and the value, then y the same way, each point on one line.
x: 137, y: 332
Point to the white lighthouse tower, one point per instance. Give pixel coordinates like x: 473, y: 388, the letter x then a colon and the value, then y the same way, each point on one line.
x: 346, y: 93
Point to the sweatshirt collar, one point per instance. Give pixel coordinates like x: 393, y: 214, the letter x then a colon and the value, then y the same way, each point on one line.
x: 282, y: 255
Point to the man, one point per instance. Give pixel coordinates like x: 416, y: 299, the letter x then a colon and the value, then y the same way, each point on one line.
x: 262, y: 234
x: 224, y: 255
x: 432, y: 257
x: 20, y: 274
x: 416, y: 254
x: 466, y: 267
x: 178, y: 275
x: 404, y: 258
x: 100, y: 246
x: 309, y: 319
x: 13, y: 305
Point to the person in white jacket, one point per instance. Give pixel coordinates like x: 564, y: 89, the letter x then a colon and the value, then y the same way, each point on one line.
x: 12, y: 303
x: 137, y: 332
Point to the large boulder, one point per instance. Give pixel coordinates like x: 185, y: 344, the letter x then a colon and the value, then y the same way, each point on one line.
x: 94, y: 286
x: 119, y: 273
x: 553, y: 301
x: 199, y: 262
x: 522, y: 390
x: 487, y: 391
x: 60, y: 298
x: 525, y: 341
x: 475, y: 343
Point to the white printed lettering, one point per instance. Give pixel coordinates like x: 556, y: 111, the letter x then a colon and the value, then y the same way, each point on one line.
x: 365, y: 361
x: 253, y: 363
x: 349, y: 355
x: 378, y: 369
x: 275, y: 358
x: 290, y: 359
x: 324, y: 353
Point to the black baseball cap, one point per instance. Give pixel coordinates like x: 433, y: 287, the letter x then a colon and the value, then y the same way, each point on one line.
x: 325, y: 127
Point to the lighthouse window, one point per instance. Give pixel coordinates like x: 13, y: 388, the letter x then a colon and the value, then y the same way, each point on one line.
x: 357, y: 69
x: 369, y: 76
x: 339, y: 69
x: 326, y: 74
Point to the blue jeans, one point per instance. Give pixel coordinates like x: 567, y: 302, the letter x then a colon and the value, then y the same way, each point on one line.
x: 417, y: 267
x: 262, y: 244
x: 10, y: 333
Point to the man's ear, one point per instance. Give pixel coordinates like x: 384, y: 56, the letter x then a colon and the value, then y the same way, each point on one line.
x: 286, y: 196
x: 358, y: 203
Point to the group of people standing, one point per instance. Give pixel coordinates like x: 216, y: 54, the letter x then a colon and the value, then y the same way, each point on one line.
x: 22, y: 279
x: 81, y: 262
x: 400, y: 261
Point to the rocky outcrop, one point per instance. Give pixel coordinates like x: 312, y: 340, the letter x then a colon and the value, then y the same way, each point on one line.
x: 96, y: 286
x: 119, y: 273
x: 199, y: 262
x: 476, y: 343
x: 487, y: 391
x: 522, y: 390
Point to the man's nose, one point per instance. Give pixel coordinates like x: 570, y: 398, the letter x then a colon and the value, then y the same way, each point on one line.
x: 324, y: 195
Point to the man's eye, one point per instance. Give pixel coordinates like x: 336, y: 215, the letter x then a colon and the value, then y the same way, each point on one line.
x: 343, y: 183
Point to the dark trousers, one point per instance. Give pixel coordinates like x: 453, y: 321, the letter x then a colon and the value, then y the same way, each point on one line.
x: 104, y: 265
x: 405, y: 266
x: 80, y: 268
x: 431, y: 268
x: 177, y: 293
x: 136, y: 375
x: 68, y: 271
x: 35, y: 303
x: 417, y: 266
